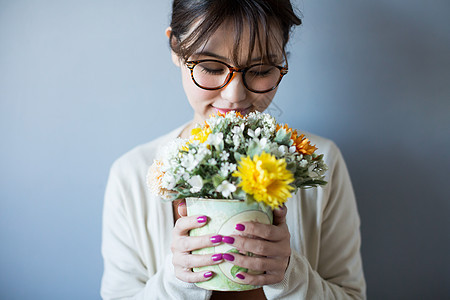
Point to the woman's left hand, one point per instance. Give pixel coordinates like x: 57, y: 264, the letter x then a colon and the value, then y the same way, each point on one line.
x: 272, y: 242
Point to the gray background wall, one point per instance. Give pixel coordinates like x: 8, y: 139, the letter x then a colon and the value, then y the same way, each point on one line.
x: 81, y: 82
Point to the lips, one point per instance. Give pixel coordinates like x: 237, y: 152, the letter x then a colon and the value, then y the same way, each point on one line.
x: 243, y: 111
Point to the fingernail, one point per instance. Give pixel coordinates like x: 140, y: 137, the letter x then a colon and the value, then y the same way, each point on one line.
x: 217, y: 257
x: 216, y: 239
x: 208, y: 274
x: 202, y: 219
x: 240, y: 227
x: 181, y: 203
x: 228, y: 239
x: 240, y: 276
x: 228, y: 257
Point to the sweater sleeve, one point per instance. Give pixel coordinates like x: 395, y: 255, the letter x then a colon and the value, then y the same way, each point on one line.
x: 339, y: 273
x: 125, y: 274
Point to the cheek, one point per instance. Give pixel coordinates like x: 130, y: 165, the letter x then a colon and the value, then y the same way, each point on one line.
x: 193, y: 92
x: 262, y: 101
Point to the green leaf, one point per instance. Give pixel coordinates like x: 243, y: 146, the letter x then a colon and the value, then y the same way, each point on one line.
x: 217, y: 180
x: 238, y: 156
x: 283, y: 137
x: 240, y: 194
x: 253, y: 149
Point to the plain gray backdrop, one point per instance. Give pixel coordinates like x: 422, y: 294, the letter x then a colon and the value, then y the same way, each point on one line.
x: 83, y: 81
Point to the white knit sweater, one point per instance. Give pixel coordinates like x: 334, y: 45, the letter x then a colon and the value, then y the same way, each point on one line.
x: 323, y: 222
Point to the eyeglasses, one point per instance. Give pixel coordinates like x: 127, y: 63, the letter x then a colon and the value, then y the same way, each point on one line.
x: 211, y: 74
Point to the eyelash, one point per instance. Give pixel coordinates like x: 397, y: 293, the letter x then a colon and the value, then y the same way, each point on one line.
x: 212, y: 72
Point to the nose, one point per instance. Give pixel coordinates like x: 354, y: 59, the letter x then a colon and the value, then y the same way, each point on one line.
x: 235, y: 90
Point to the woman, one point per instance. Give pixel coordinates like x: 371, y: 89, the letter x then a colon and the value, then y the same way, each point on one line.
x: 232, y: 57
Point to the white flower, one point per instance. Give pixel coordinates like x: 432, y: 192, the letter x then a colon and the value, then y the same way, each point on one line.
x: 254, y: 134
x: 196, y: 182
x: 168, y: 181
x: 226, y: 188
x: 292, y: 149
x: 282, y: 150
x: 212, y: 161
x: 238, y: 129
x: 236, y: 141
x: 303, y: 163
x: 215, y: 139
x: 189, y: 162
x: 263, y: 142
x: 224, y: 155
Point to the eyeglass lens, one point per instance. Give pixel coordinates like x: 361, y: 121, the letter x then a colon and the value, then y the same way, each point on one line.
x: 212, y: 74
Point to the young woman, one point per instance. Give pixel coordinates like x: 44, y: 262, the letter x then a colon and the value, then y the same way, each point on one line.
x: 231, y: 54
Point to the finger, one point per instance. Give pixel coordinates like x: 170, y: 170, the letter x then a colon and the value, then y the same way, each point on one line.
x: 263, y: 231
x: 182, y: 210
x: 260, y: 279
x: 193, y: 277
x: 262, y: 247
x: 183, y: 225
x: 279, y: 215
x: 261, y: 264
x: 189, y: 261
x: 191, y: 243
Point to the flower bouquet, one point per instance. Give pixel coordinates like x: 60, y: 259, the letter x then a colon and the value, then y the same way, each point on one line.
x: 248, y: 165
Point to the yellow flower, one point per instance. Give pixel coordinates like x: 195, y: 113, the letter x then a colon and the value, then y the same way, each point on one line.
x: 301, y: 143
x: 198, y: 134
x: 265, y: 178
x: 201, y: 134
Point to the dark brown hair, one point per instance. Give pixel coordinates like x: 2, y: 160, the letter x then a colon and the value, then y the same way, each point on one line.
x: 259, y: 15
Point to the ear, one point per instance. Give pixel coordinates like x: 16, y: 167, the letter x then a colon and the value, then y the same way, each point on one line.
x: 175, y: 57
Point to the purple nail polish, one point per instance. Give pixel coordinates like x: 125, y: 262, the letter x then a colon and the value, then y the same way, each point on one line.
x: 240, y: 276
x: 216, y: 239
x: 228, y: 257
x: 207, y: 274
x: 228, y: 239
x: 240, y: 227
x: 181, y: 203
x: 202, y: 219
x: 217, y: 257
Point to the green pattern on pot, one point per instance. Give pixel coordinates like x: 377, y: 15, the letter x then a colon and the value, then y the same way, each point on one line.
x: 223, y: 215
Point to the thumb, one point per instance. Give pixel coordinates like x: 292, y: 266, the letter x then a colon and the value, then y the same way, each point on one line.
x: 279, y: 215
x: 182, y: 210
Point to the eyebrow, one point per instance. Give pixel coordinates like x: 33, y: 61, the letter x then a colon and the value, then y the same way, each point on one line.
x: 212, y: 54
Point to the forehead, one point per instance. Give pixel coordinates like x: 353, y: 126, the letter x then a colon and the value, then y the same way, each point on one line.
x: 236, y: 47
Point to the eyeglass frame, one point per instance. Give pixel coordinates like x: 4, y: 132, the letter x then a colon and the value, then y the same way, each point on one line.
x: 192, y: 63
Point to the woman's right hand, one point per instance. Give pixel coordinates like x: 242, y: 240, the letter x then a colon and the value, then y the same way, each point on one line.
x: 182, y: 245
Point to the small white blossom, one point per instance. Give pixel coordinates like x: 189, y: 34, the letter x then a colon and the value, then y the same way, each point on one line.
x: 168, y: 181
x: 212, y: 161
x: 189, y: 162
x: 292, y: 149
x: 282, y: 150
x: 226, y: 168
x: 226, y: 188
x: 224, y: 155
x: 303, y: 163
x: 196, y: 182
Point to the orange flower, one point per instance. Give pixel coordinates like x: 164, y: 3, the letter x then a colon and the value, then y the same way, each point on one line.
x: 154, y: 180
x: 238, y: 114
x: 301, y: 143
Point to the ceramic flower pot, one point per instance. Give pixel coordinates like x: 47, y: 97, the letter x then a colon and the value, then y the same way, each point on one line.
x: 223, y: 215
